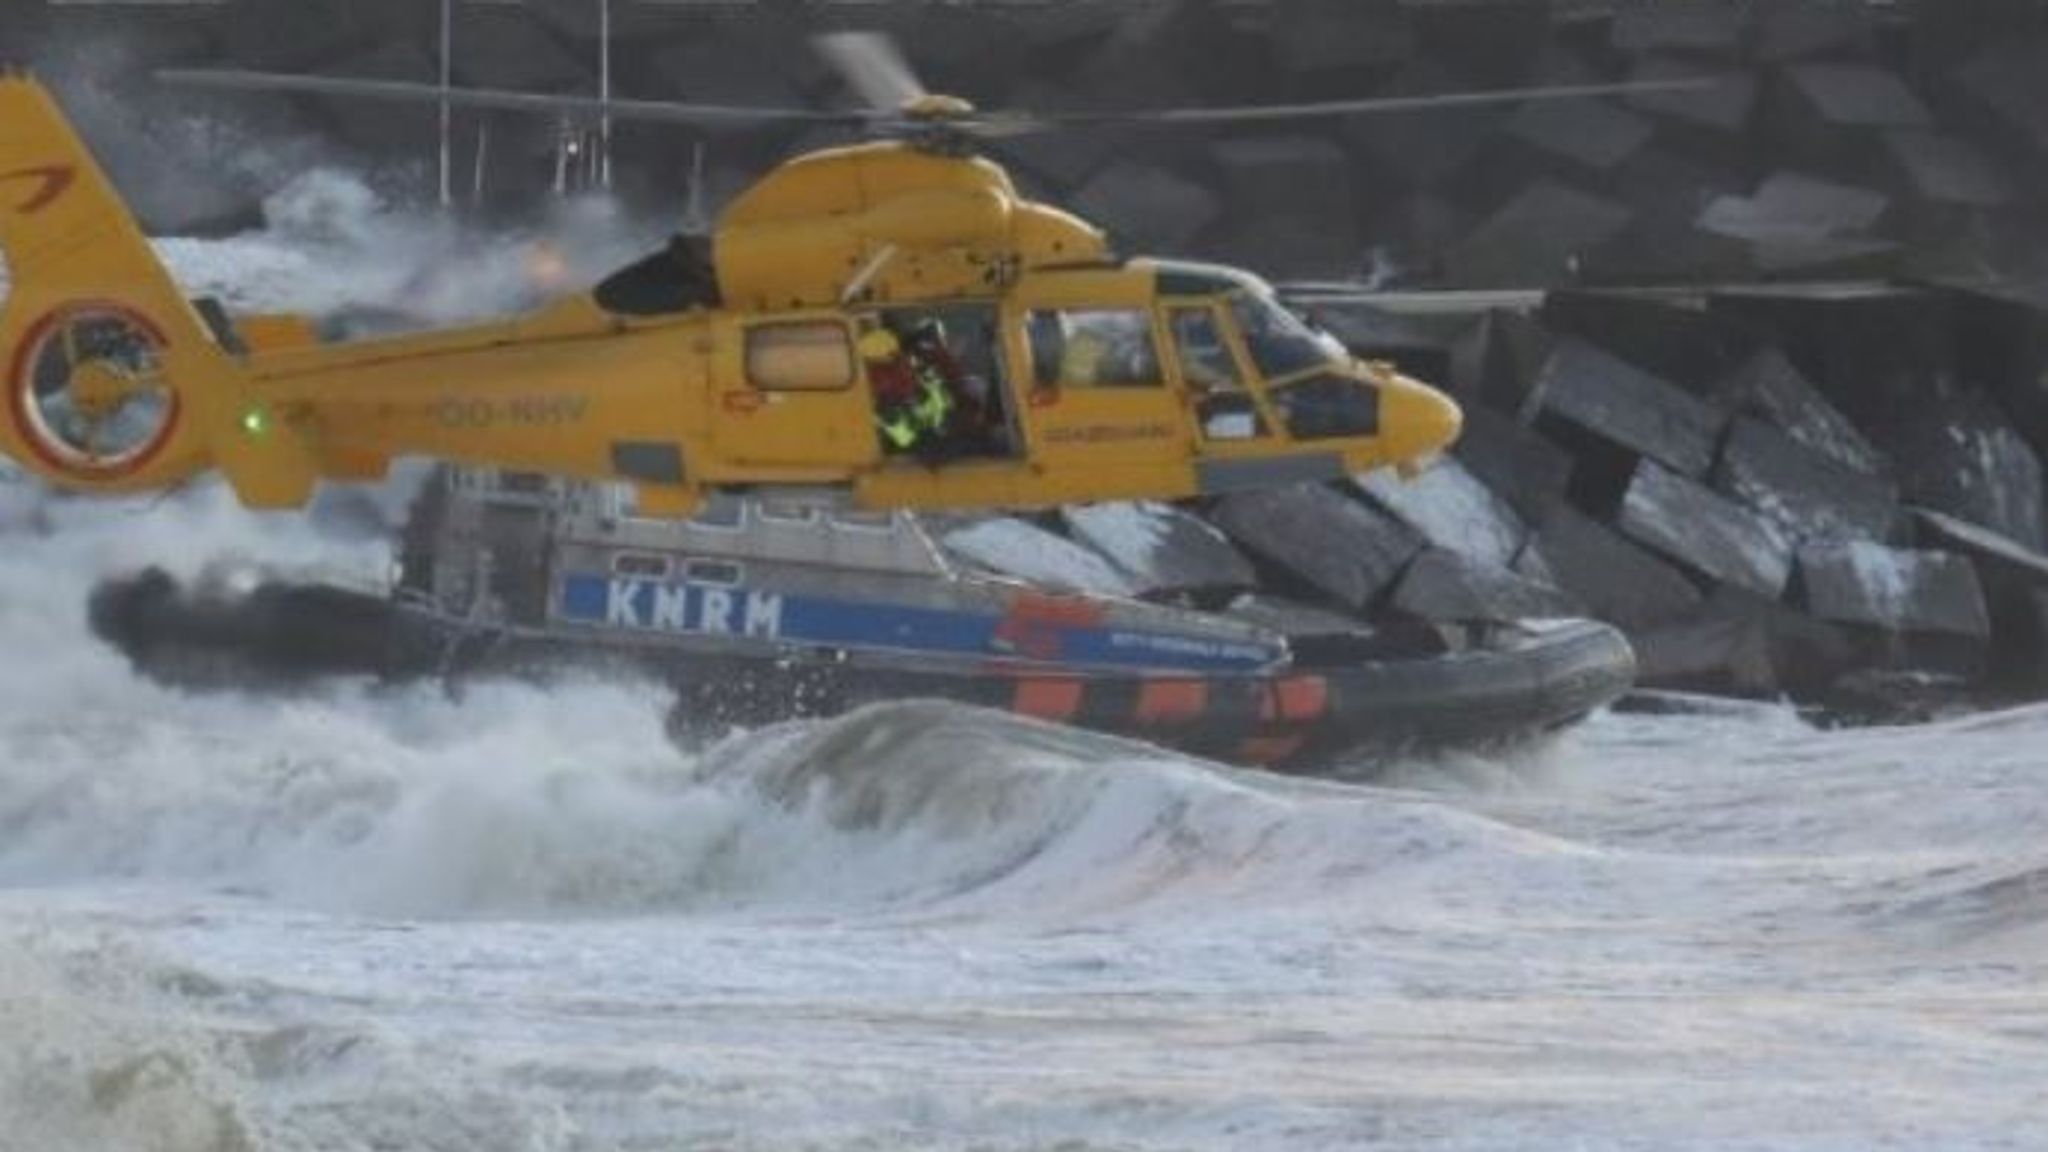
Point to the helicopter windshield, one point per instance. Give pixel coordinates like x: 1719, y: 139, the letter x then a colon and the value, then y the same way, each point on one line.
x: 1281, y: 343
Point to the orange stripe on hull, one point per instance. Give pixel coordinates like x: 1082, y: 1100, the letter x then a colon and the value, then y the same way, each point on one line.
x: 1297, y: 699
x: 1046, y: 698
x: 1172, y: 701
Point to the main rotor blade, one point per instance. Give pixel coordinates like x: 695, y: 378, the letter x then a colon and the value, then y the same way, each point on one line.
x: 872, y: 66
x: 590, y: 107
x: 998, y: 123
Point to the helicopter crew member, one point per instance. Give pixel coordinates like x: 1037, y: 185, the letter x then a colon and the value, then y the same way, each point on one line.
x: 913, y: 406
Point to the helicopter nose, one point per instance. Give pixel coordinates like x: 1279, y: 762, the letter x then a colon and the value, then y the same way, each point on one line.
x: 1417, y: 420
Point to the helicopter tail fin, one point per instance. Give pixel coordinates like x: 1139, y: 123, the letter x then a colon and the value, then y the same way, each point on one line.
x: 113, y: 380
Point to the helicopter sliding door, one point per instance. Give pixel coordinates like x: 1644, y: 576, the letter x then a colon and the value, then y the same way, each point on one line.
x: 1101, y: 411
x: 788, y: 398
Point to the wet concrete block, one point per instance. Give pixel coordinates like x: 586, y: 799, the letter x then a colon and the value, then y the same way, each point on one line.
x: 1519, y: 464
x: 1789, y: 208
x: 1017, y: 548
x: 1807, y: 495
x: 1960, y: 455
x: 1147, y: 208
x: 1688, y: 346
x: 1290, y: 246
x: 1798, y: 31
x: 1444, y: 587
x: 1947, y: 170
x: 1710, y: 651
x: 1426, y: 147
x: 1616, y: 579
x: 1893, y: 589
x: 1725, y: 105
x: 1741, y: 643
x: 2015, y: 580
x: 1163, y: 550
x: 1539, y: 237
x: 1870, y: 349
x: 1452, y: 510
x: 1771, y: 387
x: 1858, y: 96
x: 1599, y: 393
x: 2007, y: 78
x: 1705, y: 532
x: 1499, y: 359
x: 1585, y: 131
x: 1298, y: 175
x: 1293, y: 618
x: 1687, y: 25
x: 1321, y: 538
x: 1310, y: 38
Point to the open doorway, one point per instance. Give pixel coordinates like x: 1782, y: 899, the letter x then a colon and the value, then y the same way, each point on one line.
x: 940, y: 385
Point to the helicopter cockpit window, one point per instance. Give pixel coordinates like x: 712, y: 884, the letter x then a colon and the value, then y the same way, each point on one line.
x: 1281, y: 343
x: 800, y: 356
x: 1093, y: 347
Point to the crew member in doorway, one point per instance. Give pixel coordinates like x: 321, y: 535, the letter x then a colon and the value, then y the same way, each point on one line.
x: 895, y: 387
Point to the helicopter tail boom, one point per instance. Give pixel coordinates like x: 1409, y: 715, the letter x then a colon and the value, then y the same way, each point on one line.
x: 113, y: 380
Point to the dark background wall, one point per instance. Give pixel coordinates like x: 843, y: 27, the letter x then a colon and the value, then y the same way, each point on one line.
x: 1848, y: 138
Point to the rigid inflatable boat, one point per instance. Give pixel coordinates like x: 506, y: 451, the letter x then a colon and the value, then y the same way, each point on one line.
x: 760, y: 610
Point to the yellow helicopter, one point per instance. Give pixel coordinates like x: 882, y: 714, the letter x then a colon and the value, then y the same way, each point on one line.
x: 769, y: 355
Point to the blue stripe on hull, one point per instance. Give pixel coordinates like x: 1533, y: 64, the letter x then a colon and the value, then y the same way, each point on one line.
x: 711, y: 610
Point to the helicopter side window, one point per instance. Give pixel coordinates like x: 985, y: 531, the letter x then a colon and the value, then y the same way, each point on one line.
x: 800, y: 356
x: 1226, y: 410
x: 1093, y: 348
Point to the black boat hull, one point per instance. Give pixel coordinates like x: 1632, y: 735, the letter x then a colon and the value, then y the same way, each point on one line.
x: 1325, y: 715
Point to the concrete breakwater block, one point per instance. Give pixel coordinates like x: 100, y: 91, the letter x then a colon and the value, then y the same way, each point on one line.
x: 1442, y: 586
x: 1294, y: 619
x: 1724, y: 104
x: 1616, y: 579
x: 1322, y: 538
x: 1857, y: 96
x: 1960, y: 455
x: 1806, y: 495
x: 2015, y: 580
x: 1146, y: 207
x: 1769, y: 386
x: 1425, y: 147
x: 1738, y: 642
x: 1893, y: 589
x: 1451, y: 509
x: 1541, y: 236
x: 1010, y: 547
x: 1500, y: 358
x: 1161, y: 549
x: 1307, y: 176
x: 1704, y: 531
x: 1518, y: 464
x: 1688, y: 346
x: 1595, y: 391
x: 1585, y: 131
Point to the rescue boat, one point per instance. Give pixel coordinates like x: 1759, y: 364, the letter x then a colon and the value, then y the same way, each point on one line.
x: 759, y: 610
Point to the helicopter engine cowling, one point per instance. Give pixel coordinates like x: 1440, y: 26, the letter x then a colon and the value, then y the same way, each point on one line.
x: 954, y: 226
